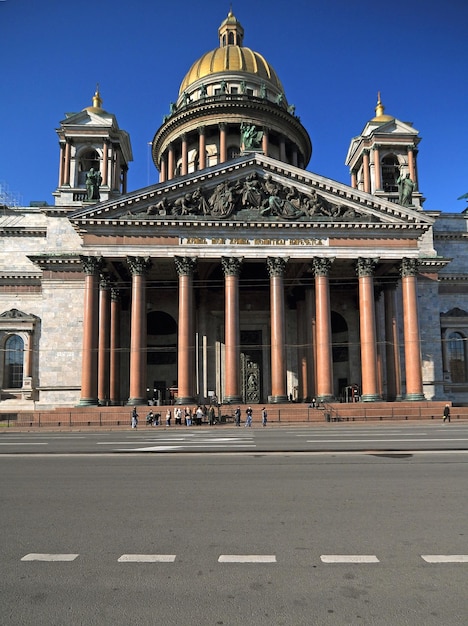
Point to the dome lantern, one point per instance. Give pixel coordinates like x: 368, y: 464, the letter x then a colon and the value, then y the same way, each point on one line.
x: 230, y: 32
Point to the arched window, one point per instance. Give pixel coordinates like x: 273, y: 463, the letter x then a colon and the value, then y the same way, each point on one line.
x: 456, y: 357
x: 88, y: 159
x: 14, y: 355
x: 390, y: 173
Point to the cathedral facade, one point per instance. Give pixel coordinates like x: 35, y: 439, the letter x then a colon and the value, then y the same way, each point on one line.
x: 241, y: 276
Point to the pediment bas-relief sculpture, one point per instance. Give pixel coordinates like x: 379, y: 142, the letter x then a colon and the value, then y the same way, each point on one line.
x: 253, y: 198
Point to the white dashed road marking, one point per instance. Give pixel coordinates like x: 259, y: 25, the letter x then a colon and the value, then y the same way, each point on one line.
x: 247, y: 558
x: 147, y: 558
x: 49, y: 557
x: 445, y: 558
x: 349, y: 558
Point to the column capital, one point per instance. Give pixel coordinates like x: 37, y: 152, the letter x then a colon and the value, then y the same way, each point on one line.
x: 139, y: 265
x: 321, y: 266
x: 376, y: 147
x: 222, y: 125
x: 105, y: 282
x: 366, y: 152
x: 92, y: 265
x: 408, y: 267
x: 201, y: 130
x: 276, y: 265
x: 185, y: 266
x: 365, y: 267
x: 410, y: 147
x: 231, y: 265
x: 115, y: 294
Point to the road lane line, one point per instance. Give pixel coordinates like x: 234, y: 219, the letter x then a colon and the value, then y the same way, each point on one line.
x: 49, y: 557
x: 147, y: 558
x: 23, y: 443
x: 445, y: 558
x: 342, y: 440
x: 349, y: 558
x: 247, y: 558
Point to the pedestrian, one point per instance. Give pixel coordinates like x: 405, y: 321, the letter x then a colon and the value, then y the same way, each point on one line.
x: 134, y: 417
x: 446, y: 412
x: 188, y: 416
x: 211, y: 415
x: 248, y: 421
x: 168, y: 417
x: 178, y: 416
x: 237, y: 416
x: 150, y: 418
x: 264, y: 416
x: 199, y: 414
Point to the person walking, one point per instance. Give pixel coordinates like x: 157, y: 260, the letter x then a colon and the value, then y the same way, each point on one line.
x: 237, y: 416
x: 188, y: 416
x: 248, y: 421
x: 446, y: 413
x: 134, y: 417
x: 168, y: 417
x: 264, y: 416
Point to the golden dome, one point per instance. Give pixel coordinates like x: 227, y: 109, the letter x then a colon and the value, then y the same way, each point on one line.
x: 97, y: 103
x: 379, y: 112
x: 231, y: 56
x: 231, y: 59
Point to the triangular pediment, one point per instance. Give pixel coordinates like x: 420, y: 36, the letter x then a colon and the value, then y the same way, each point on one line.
x: 251, y: 189
x: 89, y: 118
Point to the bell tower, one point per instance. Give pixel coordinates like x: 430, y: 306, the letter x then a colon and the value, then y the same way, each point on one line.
x: 92, y: 148
x: 383, y: 155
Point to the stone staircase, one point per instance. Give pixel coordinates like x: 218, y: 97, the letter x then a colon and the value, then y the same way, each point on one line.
x: 119, y: 417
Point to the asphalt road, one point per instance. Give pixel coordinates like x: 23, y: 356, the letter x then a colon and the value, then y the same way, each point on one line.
x: 397, y: 437
x: 234, y: 539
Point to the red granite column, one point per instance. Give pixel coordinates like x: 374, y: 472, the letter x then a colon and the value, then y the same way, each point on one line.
x: 139, y: 267
x: 170, y: 162
x: 324, y: 361
x: 265, y: 140
x: 66, y: 175
x: 411, y: 163
x: 114, y: 369
x: 105, y: 163
x: 232, y: 267
x: 163, y: 170
x: 61, y: 164
x: 282, y: 148
x: 353, y: 179
x: 311, y: 343
x: 413, y: 364
x: 276, y: 267
x: 185, y: 267
x: 377, y: 177
x: 201, y: 148
x: 92, y: 266
x: 104, y: 340
x: 365, y: 170
x: 392, y: 347
x: 184, y: 168
x: 365, y: 269
x: 222, y: 143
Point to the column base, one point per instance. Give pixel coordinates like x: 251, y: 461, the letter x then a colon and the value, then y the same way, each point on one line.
x: 371, y: 397
x: 232, y: 400
x: 185, y: 400
x: 136, y: 401
x: 414, y: 397
x: 277, y: 399
x: 88, y: 402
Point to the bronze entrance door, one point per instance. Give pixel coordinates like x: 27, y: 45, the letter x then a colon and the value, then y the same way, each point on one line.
x: 251, y: 366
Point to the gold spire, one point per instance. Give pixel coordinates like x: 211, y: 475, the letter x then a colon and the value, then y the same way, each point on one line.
x: 379, y: 109
x: 97, y: 100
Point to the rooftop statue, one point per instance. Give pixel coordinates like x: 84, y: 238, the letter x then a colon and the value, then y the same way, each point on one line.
x: 93, y: 182
x: 405, y: 189
x: 251, y: 137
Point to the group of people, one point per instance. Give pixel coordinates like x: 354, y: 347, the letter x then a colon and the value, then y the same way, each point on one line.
x: 249, y: 416
x: 195, y: 416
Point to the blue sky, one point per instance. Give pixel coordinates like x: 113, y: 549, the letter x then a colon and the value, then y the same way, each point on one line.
x: 332, y: 58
